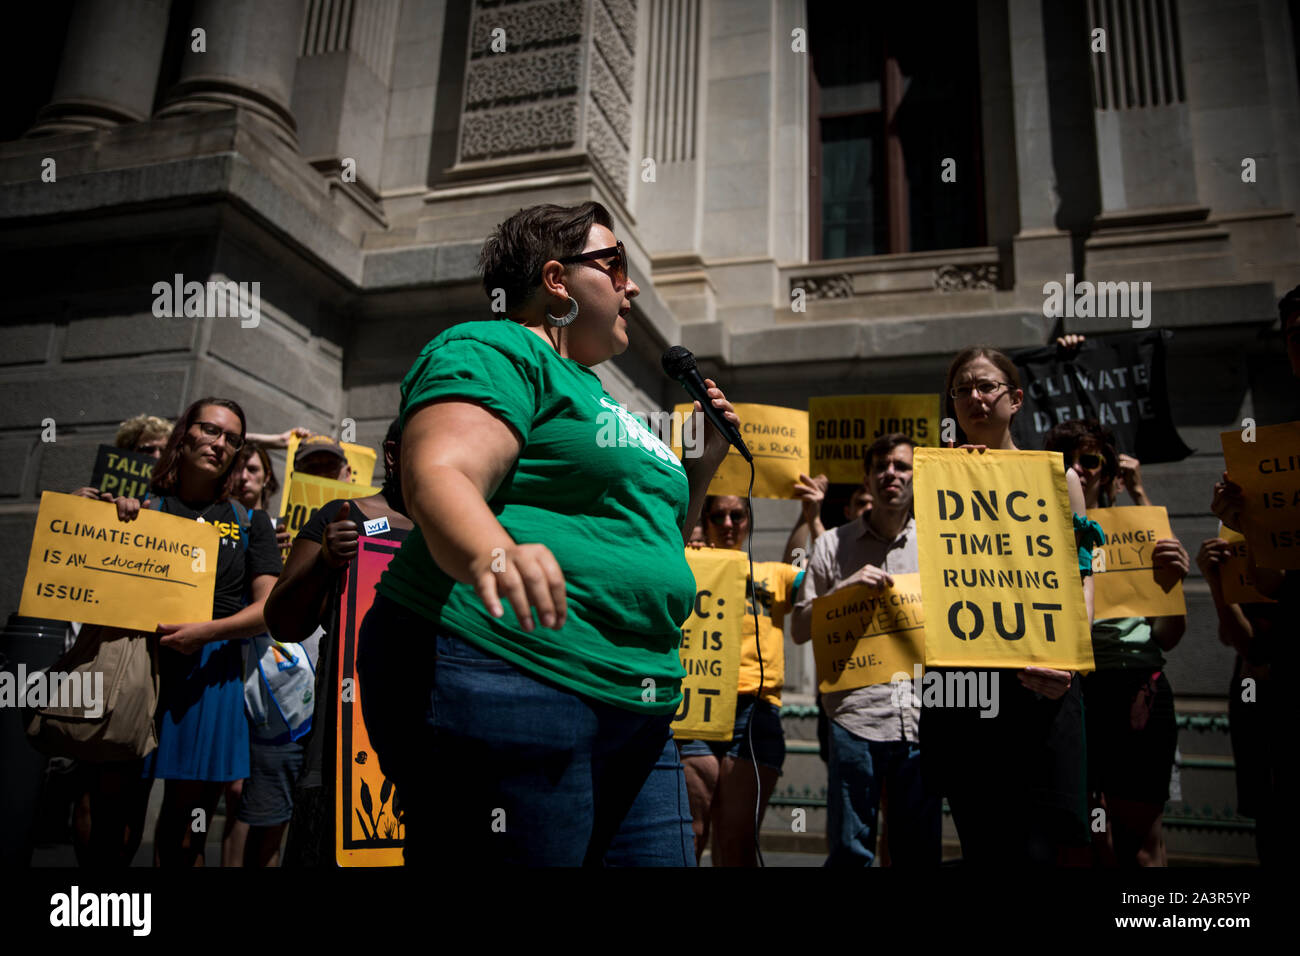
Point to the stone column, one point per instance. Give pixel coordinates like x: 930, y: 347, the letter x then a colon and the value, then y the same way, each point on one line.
x: 109, y: 67
x: 249, y: 59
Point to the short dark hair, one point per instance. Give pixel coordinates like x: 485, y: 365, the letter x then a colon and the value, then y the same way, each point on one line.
x: 883, y: 446
x: 513, y: 256
x: 1069, y: 437
x: 1288, y: 306
x: 166, y: 472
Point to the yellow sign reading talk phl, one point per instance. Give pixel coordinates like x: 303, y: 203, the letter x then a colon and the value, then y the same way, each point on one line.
x: 999, y: 564
x: 776, y: 437
x: 86, y: 565
x: 1124, y: 580
x: 862, y: 636
x: 1268, y: 470
x: 844, y: 426
x: 710, y: 647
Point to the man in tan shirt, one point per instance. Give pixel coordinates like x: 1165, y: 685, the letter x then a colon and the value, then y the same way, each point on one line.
x: 873, y: 730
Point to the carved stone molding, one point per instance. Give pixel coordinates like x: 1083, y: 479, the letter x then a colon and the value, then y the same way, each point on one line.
x: 962, y: 278
x: 824, y: 287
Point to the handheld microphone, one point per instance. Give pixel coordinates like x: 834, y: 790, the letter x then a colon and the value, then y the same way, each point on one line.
x: 679, y: 364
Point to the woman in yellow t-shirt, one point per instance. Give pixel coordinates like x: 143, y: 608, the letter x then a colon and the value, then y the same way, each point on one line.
x: 720, y: 778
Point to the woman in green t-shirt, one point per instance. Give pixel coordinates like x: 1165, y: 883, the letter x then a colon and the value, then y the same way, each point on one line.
x: 512, y: 739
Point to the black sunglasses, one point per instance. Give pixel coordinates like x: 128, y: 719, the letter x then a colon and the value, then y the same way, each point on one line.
x: 617, y: 269
x: 1091, y: 460
x: 720, y: 517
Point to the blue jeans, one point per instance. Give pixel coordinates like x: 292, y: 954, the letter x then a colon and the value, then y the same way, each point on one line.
x: 494, y: 766
x: 858, y: 770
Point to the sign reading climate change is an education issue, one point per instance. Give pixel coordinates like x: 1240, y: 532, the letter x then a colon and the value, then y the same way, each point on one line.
x: 304, y: 495
x: 1234, y: 574
x: 367, y: 828
x: 1268, y: 470
x: 844, y: 426
x: 360, y: 458
x: 776, y: 437
x: 1124, y: 579
x: 123, y: 474
x: 999, y: 564
x: 862, y: 636
x: 710, y: 647
x: 86, y: 565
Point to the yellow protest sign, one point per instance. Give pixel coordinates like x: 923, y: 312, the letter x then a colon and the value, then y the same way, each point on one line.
x: 711, y: 645
x: 86, y: 565
x: 844, y: 426
x: 1124, y: 582
x: 777, y: 438
x: 1268, y: 470
x: 305, y: 494
x: 360, y: 458
x: 999, y: 565
x: 1234, y: 574
x: 862, y: 636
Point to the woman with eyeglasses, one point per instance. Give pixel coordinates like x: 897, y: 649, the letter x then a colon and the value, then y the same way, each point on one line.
x: 203, y: 739
x: 720, y: 776
x: 1129, y: 705
x: 1014, y: 782
x: 525, y: 638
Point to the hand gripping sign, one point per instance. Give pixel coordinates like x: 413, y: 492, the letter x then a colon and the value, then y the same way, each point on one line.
x: 1124, y: 579
x: 86, y: 565
x: 863, y: 636
x: 999, y: 565
x: 710, y: 647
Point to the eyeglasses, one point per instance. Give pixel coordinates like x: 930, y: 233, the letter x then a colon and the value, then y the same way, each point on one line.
x: 212, y: 432
x: 1091, y: 460
x: 617, y: 270
x: 985, y: 388
x: 719, y: 518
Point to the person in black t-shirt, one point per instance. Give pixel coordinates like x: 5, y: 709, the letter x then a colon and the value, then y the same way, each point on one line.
x: 307, y: 595
x: 202, y: 730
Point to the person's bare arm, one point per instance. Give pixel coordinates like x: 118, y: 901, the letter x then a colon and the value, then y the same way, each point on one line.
x: 810, y: 492
x: 296, y: 604
x: 1235, y: 629
x: 447, y: 481
x: 190, y: 638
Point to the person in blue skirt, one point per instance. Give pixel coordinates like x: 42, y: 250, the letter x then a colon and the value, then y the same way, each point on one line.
x: 202, y: 731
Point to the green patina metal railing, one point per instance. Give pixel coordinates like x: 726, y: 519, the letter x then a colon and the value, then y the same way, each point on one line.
x: 1180, y: 814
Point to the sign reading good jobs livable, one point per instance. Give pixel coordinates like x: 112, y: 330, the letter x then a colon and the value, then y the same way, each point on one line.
x: 863, y: 636
x: 999, y: 565
x: 86, y: 565
x: 777, y: 438
x: 844, y: 426
x: 710, y: 649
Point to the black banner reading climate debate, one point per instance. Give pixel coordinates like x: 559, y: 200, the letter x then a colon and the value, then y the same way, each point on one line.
x: 1117, y: 379
x: 121, y: 473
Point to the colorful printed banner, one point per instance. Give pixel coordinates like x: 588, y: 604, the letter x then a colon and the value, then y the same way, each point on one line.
x: 1124, y: 582
x: 999, y: 565
x: 86, y: 565
x: 123, y: 474
x: 777, y: 438
x: 862, y: 636
x: 304, y: 495
x: 367, y: 831
x: 710, y: 647
x: 360, y: 458
x: 1234, y: 574
x: 1268, y: 470
x: 844, y: 426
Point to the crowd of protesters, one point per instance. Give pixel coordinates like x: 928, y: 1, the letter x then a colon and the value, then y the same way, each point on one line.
x: 547, y: 716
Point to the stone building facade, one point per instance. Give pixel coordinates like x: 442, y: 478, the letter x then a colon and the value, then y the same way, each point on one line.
x: 350, y: 155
